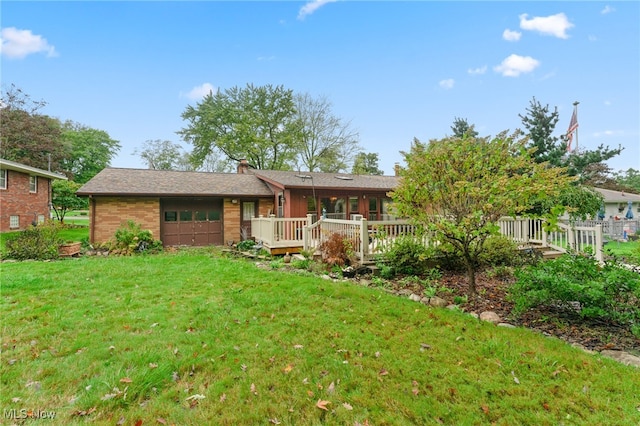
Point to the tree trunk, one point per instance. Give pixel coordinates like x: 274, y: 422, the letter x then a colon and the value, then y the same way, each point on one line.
x: 471, y: 278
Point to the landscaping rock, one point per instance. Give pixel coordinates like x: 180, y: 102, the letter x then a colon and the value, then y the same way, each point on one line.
x: 438, y: 302
x: 490, y: 316
x: 506, y: 325
x: 622, y: 357
x: 414, y: 297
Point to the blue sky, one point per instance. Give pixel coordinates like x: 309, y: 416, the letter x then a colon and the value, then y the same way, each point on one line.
x: 395, y: 70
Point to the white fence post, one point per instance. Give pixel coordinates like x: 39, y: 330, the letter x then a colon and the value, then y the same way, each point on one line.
x: 364, y: 238
x: 598, y: 251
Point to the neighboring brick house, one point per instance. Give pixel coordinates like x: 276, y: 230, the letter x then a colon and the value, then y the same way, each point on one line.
x: 25, y: 195
x: 202, y: 208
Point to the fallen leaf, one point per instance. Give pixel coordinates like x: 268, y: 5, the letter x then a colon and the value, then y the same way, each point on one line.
x: 331, y: 388
x: 415, y: 391
x: 195, y: 397
x: 347, y: 406
x: 243, y: 367
x: 138, y: 422
x: 223, y: 397
x: 125, y: 380
x: 485, y: 409
x: 377, y: 354
x: 310, y: 393
x: 153, y: 365
x: 515, y: 379
x: 161, y: 421
x: 383, y: 372
x: 253, y: 389
x: 298, y: 347
x: 275, y: 421
x: 288, y: 368
x: 546, y: 406
x: 16, y: 399
x: 121, y: 421
x: 322, y: 405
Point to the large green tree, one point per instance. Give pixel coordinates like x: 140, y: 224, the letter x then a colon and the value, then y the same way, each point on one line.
x: 88, y: 151
x: 26, y: 135
x: 163, y: 155
x: 461, y: 128
x: 458, y: 188
x: 329, y: 144
x: 366, y: 163
x: 256, y: 123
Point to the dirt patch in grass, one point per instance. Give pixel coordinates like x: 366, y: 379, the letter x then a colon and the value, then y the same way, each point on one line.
x: 492, y: 292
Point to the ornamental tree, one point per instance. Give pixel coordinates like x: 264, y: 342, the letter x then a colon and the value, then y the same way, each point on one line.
x: 458, y: 188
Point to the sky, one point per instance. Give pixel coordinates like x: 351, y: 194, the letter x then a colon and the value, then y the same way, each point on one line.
x: 394, y: 71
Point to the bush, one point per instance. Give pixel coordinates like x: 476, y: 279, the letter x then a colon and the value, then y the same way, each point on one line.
x: 499, y: 251
x: 580, y: 284
x: 246, y: 245
x: 131, y: 238
x: 38, y: 242
x: 337, y: 250
x: 407, y: 256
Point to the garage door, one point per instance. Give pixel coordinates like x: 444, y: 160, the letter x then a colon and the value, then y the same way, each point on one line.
x: 192, y: 222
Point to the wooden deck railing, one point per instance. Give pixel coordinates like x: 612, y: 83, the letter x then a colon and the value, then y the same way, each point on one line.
x: 369, y: 238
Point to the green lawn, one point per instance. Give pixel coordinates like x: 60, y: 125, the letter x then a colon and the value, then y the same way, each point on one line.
x: 191, y: 338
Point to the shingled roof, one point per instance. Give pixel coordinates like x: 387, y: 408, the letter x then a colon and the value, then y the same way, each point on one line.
x: 145, y: 182
x: 327, y: 180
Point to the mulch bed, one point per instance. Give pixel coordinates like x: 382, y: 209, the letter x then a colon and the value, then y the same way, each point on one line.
x: 492, y: 291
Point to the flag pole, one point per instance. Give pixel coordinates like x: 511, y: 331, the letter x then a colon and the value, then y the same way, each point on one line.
x: 575, y: 111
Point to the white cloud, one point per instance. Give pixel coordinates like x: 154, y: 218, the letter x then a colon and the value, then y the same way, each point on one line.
x: 477, y: 71
x: 555, y: 25
x: 511, y: 35
x: 514, y: 65
x: 199, y: 92
x: 607, y: 9
x: 607, y: 133
x: 17, y: 44
x: 447, y: 84
x: 311, y: 7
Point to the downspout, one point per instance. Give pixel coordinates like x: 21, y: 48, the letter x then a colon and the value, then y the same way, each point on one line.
x: 92, y: 223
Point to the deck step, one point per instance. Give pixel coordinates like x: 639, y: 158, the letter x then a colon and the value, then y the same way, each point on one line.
x: 551, y: 254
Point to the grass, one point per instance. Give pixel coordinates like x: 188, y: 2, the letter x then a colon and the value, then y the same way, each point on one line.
x: 630, y: 250
x: 193, y: 338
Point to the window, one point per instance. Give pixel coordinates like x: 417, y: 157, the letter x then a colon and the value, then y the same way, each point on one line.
x: 186, y: 216
x: 14, y: 222
x: 3, y: 179
x: 248, y: 210
x: 201, y: 216
x: 214, y: 215
x: 171, y: 216
x: 353, y: 205
x: 33, y: 183
x: 40, y: 218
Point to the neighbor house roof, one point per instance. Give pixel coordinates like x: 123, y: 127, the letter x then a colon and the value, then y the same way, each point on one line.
x: 611, y: 196
x: 145, y: 182
x: 23, y: 168
x: 317, y: 180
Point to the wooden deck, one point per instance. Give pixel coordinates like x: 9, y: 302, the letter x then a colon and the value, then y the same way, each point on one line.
x: 370, y: 238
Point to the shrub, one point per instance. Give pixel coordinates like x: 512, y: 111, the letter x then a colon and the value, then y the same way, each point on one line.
x: 246, y: 245
x: 337, y: 250
x: 580, y: 284
x: 38, y: 242
x: 498, y: 251
x: 407, y: 256
x: 131, y: 238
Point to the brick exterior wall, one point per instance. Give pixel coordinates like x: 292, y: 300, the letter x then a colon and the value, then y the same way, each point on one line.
x: 107, y: 214
x: 16, y: 200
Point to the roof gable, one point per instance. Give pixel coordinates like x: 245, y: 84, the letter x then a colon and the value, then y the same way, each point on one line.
x: 289, y: 179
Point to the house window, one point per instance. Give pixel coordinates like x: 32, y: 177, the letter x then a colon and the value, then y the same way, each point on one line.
x: 171, y: 216
x: 248, y: 210
x: 186, y: 216
x: 33, y: 183
x: 214, y: 215
x: 14, y: 222
x: 353, y: 205
x: 201, y: 216
x: 3, y: 179
x: 373, y: 208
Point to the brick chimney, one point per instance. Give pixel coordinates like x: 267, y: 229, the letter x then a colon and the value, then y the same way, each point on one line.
x: 396, y: 169
x: 243, y: 167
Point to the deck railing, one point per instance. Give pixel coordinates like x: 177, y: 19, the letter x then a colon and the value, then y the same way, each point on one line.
x: 369, y: 238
